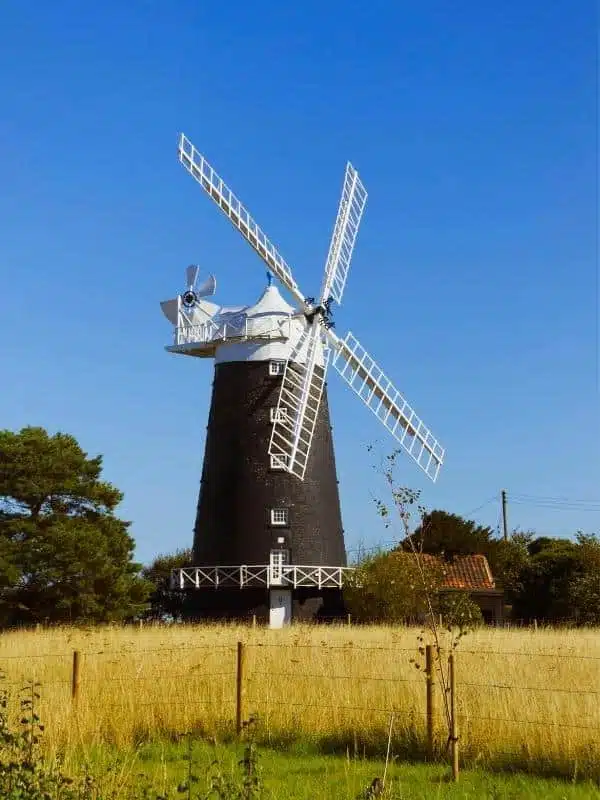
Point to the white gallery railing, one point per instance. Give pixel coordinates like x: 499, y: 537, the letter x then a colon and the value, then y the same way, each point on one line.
x: 292, y: 576
x: 208, y: 332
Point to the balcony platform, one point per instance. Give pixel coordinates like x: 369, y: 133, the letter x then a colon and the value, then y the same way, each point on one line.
x: 203, y: 339
x: 290, y: 576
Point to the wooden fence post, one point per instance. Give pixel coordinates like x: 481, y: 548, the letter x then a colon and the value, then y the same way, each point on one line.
x: 453, y: 719
x: 430, y: 699
x: 239, y: 675
x: 349, y: 619
x: 75, y: 676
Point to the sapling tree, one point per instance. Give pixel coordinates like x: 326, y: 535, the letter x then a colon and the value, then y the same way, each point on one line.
x: 443, y: 634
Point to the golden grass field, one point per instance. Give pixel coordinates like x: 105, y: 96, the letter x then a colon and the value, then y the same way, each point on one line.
x: 527, y: 695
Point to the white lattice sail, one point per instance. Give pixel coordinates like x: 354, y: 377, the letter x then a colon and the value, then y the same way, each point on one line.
x: 299, y: 402
x: 352, y: 204
x: 304, y: 376
x: 229, y: 204
x: 367, y: 379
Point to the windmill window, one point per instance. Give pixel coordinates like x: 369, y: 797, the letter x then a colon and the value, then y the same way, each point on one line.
x: 279, y: 516
x: 276, y: 367
x: 279, y: 461
x: 279, y: 556
x: 278, y: 417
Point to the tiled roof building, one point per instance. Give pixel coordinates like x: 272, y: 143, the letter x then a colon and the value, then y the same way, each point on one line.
x: 472, y: 574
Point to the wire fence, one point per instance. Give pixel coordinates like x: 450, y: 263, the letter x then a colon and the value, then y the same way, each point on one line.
x: 531, y: 706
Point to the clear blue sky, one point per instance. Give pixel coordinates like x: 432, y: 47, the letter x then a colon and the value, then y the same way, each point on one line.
x: 473, y: 126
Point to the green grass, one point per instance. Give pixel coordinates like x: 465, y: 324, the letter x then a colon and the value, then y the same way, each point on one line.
x: 297, y: 775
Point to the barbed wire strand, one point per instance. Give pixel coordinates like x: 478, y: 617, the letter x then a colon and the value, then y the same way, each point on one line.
x: 333, y: 677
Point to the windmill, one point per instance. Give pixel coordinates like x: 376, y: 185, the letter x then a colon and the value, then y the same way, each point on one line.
x: 268, y: 533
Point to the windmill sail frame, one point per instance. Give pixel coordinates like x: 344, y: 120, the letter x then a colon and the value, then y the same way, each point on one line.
x: 303, y: 381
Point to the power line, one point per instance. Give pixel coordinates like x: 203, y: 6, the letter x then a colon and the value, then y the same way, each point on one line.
x: 556, y: 506
x: 554, y: 499
x: 491, y: 499
x: 522, y: 499
x: 375, y: 547
x: 396, y: 542
x: 563, y: 503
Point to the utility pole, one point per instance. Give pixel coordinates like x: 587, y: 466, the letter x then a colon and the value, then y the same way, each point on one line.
x: 504, y: 521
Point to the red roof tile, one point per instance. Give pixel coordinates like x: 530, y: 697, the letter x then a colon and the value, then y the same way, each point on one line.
x: 467, y: 572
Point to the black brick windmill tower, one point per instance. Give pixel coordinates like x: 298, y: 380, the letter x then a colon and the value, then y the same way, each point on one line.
x: 268, y: 537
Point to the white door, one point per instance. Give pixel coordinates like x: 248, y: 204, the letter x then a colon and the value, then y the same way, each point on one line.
x: 280, y: 612
x: 279, y: 557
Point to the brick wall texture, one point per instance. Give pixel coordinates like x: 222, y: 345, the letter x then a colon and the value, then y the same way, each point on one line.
x: 238, y: 487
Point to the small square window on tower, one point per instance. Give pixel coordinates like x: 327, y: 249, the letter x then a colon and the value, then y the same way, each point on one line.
x: 279, y: 461
x: 279, y: 516
x: 276, y: 367
x: 278, y: 414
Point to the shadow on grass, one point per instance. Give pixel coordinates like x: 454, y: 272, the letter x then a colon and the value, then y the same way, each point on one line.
x: 408, y: 744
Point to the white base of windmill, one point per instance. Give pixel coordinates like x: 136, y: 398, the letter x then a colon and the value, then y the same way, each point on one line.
x: 280, y: 608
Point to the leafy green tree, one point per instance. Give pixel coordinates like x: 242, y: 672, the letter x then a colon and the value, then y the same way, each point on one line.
x: 165, y: 602
x: 64, y: 554
x: 539, y: 543
x: 442, y: 533
x: 547, y: 578
x: 508, y: 561
x: 388, y: 587
x: 458, y: 610
x: 584, y: 586
x: 584, y: 597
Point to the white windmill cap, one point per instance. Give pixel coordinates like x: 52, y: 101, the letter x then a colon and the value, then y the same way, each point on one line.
x: 270, y: 302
